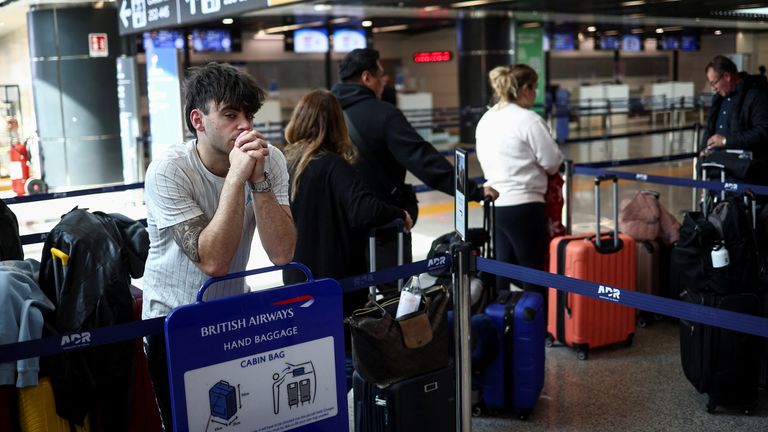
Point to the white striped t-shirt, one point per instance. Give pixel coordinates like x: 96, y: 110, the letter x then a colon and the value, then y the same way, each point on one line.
x: 178, y: 188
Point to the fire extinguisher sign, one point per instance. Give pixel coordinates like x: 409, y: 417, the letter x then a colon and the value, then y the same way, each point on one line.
x: 97, y: 44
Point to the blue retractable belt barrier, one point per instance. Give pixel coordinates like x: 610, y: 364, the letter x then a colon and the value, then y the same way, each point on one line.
x: 122, y: 332
x: 86, y: 339
x: 390, y: 274
x: 674, y: 181
x: 73, y: 193
x: 638, y: 161
x: 646, y: 302
x: 626, y: 135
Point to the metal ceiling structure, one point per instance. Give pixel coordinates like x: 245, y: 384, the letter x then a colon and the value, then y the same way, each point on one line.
x: 414, y: 16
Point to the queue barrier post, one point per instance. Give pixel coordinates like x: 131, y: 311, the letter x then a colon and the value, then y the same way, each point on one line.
x: 462, y: 335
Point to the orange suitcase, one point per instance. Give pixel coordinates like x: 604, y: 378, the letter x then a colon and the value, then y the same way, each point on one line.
x: 583, y: 322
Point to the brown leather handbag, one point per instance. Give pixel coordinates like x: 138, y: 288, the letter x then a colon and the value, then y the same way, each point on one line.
x: 386, y: 350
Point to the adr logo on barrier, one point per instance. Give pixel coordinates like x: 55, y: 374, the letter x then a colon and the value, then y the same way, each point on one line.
x: 608, y: 293
x: 75, y: 339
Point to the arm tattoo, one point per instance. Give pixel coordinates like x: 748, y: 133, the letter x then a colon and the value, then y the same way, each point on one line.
x: 186, y: 235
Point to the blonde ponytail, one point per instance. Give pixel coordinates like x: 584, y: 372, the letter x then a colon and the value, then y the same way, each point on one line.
x: 503, y: 83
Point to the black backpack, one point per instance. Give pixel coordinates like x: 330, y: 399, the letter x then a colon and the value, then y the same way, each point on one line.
x: 730, y: 226
x: 441, y: 246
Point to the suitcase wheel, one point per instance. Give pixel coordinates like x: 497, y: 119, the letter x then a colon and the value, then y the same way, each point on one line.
x: 477, y: 411
x: 711, y: 407
x: 549, y: 341
x: 524, y: 413
x: 581, y: 355
x: 641, y: 322
x: 630, y: 339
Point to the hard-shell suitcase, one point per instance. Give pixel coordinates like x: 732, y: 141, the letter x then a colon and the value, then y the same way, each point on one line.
x: 720, y: 362
x: 37, y: 410
x: 763, y: 380
x: 145, y: 416
x: 426, y: 403
x: 648, y: 275
x: 582, y: 322
x: 515, y: 378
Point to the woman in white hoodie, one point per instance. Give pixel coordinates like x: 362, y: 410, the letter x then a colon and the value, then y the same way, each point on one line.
x: 516, y: 152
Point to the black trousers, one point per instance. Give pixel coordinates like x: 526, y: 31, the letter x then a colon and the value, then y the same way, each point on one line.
x: 521, y: 238
x: 157, y: 363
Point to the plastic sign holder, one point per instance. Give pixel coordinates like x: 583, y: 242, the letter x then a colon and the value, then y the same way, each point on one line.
x: 461, y: 179
x: 268, y: 360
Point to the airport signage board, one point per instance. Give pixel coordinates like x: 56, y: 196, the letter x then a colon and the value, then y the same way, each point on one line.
x: 136, y: 16
x: 270, y: 360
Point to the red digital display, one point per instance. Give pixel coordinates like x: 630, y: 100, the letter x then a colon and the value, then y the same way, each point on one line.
x: 431, y: 56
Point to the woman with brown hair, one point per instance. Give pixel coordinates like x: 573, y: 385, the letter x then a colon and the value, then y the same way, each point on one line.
x: 332, y: 209
x: 516, y: 152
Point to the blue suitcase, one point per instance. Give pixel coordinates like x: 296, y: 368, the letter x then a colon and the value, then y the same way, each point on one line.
x: 513, y: 381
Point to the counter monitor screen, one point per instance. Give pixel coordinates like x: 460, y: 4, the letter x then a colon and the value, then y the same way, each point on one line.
x: 631, y: 43
x: 163, y: 39
x: 310, y: 41
x: 609, y: 42
x: 689, y: 43
x: 563, y: 42
x: 669, y: 43
x: 211, y: 40
x: 346, y: 40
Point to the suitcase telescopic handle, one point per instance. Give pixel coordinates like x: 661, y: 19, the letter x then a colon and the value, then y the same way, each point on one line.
x: 398, y: 224
x: 237, y: 275
x: 704, y: 168
x: 615, y: 180
x: 489, y: 224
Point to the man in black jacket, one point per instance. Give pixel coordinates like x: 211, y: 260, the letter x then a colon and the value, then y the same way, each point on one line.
x: 388, y: 145
x: 738, y: 118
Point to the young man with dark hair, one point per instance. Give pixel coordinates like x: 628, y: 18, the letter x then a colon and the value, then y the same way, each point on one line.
x: 388, y: 145
x: 205, y: 198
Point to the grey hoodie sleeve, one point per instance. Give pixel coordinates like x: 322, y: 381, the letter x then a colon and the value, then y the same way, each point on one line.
x: 21, y: 298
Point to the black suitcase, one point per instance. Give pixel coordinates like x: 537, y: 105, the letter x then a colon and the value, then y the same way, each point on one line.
x: 763, y: 380
x: 722, y: 363
x: 426, y: 403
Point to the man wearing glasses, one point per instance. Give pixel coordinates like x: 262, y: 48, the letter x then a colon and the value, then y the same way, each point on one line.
x: 738, y: 118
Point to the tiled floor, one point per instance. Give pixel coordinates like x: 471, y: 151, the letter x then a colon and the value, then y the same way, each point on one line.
x: 641, y: 388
